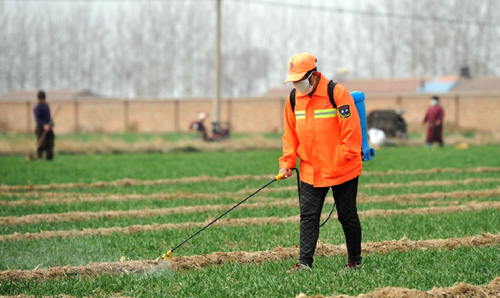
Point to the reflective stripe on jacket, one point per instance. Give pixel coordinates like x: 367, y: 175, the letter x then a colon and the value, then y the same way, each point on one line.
x: 327, y: 140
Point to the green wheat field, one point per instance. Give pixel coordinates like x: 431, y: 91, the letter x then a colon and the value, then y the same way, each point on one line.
x: 93, y: 226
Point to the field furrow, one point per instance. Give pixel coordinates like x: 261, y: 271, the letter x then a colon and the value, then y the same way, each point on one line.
x: 47, y: 198
x: 473, y: 206
x: 133, y: 182
x: 205, y: 178
x: 459, y: 289
x: 290, y: 202
x: 79, y: 216
x: 216, y: 258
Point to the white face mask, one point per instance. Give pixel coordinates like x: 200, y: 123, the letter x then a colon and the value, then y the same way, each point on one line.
x: 434, y: 102
x: 304, y: 86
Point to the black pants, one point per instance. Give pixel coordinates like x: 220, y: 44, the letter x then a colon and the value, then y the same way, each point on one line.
x: 311, y: 204
x: 47, y: 144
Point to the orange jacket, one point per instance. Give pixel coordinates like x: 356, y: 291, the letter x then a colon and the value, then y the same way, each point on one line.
x: 327, y: 140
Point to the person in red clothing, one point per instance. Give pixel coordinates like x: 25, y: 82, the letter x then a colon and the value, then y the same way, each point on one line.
x: 434, y: 116
x: 327, y: 140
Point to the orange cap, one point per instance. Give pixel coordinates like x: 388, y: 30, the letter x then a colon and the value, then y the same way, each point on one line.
x: 299, y: 65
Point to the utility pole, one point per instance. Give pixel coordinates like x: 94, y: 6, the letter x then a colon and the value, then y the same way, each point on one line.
x: 216, y: 101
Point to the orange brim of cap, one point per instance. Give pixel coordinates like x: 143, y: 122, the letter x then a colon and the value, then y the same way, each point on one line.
x: 295, y: 77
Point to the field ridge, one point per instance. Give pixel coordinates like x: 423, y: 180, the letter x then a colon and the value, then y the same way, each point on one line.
x: 217, y: 258
x: 206, y: 178
x: 48, y: 198
x: 290, y: 202
x: 472, y: 206
x: 459, y: 289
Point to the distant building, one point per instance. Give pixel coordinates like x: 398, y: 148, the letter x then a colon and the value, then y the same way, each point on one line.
x: 52, y: 95
x: 482, y: 83
x: 281, y: 91
x: 400, y: 85
x: 441, y: 84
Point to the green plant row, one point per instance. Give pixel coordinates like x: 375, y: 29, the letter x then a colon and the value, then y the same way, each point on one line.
x: 421, y: 270
x: 153, y: 203
x: 149, y: 245
x: 244, y: 211
x: 14, y: 170
x: 250, y: 185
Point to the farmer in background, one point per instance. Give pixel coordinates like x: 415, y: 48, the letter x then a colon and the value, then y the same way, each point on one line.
x: 328, y: 143
x: 44, y: 134
x: 434, y: 116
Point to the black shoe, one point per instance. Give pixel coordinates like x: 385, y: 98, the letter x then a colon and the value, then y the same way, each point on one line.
x: 352, y: 265
x: 298, y: 266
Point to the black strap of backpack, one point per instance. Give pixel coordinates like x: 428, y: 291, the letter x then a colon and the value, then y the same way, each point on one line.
x: 292, y: 99
x: 331, y: 87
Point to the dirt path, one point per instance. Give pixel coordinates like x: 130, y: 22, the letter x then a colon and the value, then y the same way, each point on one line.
x: 79, y: 216
x: 204, y: 178
x: 291, y: 202
x: 69, y: 198
x: 459, y: 289
x: 472, y: 206
x: 134, y: 182
x: 216, y: 258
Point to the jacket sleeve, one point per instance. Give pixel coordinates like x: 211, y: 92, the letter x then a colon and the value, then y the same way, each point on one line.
x: 290, y: 140
x: 350, y: 126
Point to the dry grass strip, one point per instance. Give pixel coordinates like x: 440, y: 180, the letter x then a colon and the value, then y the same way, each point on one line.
x: 216, y: 258
x: 48, y: 198
x: 79, y: 216
x: 58, y: 296
x: 459, y: 289
x: 291, y: 202
x: 240, y: 222
x: 205, y: 178
x: 408, y: 198
x: 134, y: 182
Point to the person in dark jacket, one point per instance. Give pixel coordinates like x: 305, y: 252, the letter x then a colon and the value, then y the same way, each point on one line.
x: 44, y: 133
x: 434, y: 116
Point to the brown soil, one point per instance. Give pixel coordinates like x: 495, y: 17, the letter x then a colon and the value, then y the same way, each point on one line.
x: 72, y: 197
x: 133, y: 182
x: 430, y: 196
x: 79, y: 216
x: 279, y: 253
x: 58, y: 296
x: 472, y: 206
x: 48, y: 198
x: 204, y: 178
x: 459, y: 289
x: 430, y: 183
x: 433, y: 171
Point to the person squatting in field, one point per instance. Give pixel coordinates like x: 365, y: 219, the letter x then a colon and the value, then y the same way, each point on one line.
x: 44, y: 133
x: 434, y: 116
x: 327, y: 140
